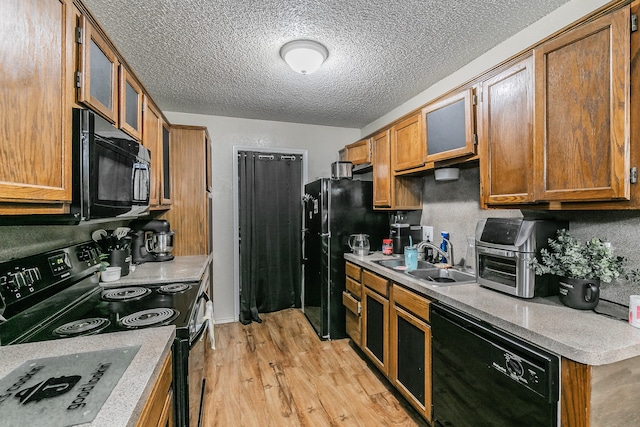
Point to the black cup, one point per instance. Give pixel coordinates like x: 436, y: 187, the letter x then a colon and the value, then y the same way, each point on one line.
x: 583, y: 294
x: 120, y: 258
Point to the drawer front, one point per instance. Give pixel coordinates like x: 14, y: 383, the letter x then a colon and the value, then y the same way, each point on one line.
x: 354, y: 288
x: 353, y: 271
x: 353, y: 319
x: 375, y: 282
x: 412, y: 302
x: 350, y: 303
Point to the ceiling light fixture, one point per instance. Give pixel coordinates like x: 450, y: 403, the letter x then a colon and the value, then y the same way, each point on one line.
x: 304, y: 56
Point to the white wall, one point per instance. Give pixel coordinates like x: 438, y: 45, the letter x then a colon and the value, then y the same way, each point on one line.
x: 321, y: 142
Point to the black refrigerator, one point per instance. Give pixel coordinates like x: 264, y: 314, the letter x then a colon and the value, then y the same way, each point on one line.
x: 334, y: 209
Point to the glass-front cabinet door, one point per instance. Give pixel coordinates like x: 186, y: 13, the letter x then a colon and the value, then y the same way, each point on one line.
x: 130, y: 101
x: 98, y: 75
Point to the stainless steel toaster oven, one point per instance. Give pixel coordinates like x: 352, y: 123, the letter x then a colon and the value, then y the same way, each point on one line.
x: 504, y: 248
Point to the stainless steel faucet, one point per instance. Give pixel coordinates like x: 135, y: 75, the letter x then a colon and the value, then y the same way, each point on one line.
x: 448, y: 255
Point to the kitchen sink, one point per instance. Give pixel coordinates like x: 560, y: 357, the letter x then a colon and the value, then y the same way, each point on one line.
x: 398, y: 264
x: 429, y: 273
x: 442, y: 276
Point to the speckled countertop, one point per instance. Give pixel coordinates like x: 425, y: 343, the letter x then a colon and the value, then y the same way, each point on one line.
x: 582, y: 336
x: 180, y: 269
x: 125, y: 403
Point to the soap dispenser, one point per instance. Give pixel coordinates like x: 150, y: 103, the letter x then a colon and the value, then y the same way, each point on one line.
x: 443, y: 246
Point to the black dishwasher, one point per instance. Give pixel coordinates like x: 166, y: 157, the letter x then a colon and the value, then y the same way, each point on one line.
x: 485, y: 377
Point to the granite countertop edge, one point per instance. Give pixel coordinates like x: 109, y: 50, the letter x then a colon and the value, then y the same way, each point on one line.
x: 124, y: 405
x: 582, y: 336
x: 188, y: 268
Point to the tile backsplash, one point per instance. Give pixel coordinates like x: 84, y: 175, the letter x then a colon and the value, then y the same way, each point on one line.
x: 454, y: 206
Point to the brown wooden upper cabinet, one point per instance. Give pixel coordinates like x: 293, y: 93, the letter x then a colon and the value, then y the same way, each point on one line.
x: 358, y: 152
x: 407, y: 143
x: 98, y: 75
x: 153, y: 137
x: 390, y: 191
x: 36, y: 100
x: 505, y: 126
x: 381, y: 148
x: 130, y: 104
x: 450, y: 127
x: 581, y: 136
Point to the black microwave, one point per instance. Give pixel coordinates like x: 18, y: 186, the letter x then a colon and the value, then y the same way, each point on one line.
x: 111, y: 170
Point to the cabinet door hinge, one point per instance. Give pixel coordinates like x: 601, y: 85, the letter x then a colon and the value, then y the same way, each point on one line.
x: 78, y: 76
x: 475, y: 139
x: 633, y: 175
x: 475, y: 99
x: 79, y: 35
x: 634, y: 23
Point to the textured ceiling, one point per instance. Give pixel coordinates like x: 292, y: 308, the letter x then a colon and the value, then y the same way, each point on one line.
x: 222, y: 57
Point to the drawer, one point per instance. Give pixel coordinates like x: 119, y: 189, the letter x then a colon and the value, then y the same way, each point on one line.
x: 353, y: 270
x: 411, y: 301
x: 354, y: 288
x: 375, y: 282
x: 350, y: 303
x: 353, y: 319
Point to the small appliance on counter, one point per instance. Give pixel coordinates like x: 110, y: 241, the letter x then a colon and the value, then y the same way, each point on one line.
x: 152, y: 242
x: 504, y: 248
x: 399, y: 234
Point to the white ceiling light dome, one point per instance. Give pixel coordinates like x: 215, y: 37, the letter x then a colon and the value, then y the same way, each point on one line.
x: 304, y: 56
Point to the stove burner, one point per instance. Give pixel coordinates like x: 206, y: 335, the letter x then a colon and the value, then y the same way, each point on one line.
x: 151, y: 317
x: 82, y: 327
x: 125, y: 294
x: 174, y: 288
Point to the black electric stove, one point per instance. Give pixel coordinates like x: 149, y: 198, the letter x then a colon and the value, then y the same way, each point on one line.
x: 57, y: 295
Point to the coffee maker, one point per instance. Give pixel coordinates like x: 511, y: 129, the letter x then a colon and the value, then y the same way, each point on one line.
x: 152, y: 241
x: 400, y: 232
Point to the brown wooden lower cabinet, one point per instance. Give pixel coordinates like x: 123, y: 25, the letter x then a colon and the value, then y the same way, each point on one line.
x: 375, y: 320
x: 351, y: 299
x: 600, y: 396
x: 410, y: 348
x: 159, y: 408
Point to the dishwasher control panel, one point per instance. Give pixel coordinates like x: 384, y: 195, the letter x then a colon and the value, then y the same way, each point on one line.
x: 523, y: 371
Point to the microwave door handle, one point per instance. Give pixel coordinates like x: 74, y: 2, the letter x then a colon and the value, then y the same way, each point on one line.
x: 140, y: 177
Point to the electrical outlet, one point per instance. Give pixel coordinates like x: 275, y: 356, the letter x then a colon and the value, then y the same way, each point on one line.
x: 427, y: 233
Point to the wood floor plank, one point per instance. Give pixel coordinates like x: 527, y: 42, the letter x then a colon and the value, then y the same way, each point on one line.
x: 279, y: 373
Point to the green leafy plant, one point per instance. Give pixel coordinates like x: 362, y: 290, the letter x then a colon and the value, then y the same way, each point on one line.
x: 568, y: 257
x: 103, y: 262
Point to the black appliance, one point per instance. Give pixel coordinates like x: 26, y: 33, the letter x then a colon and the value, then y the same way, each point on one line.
x: 152, y: 242
x: 56, y: 294
x: 486, y: 377
x: 110, y: 170
x: 400, y: 233
x: 334, y: 209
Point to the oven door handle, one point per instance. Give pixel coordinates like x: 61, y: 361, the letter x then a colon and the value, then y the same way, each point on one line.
x: 498, y: 252
x: 207, y: 324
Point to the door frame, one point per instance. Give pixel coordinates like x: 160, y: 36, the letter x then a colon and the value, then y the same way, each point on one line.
x: 236, y: 216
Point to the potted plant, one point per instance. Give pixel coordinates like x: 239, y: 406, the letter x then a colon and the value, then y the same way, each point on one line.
x: 581, y: 268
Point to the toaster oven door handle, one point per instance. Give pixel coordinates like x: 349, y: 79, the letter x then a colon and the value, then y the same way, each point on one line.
x: 497, y: 252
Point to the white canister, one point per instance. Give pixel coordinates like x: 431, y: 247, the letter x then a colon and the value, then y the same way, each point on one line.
x: 634, y: 310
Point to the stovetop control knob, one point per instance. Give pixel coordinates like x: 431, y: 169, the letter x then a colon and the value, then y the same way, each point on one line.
x: 32, y: 275
x: 16, y: 281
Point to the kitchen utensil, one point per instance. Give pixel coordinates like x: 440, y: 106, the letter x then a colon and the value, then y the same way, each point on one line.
x: 98, y: 235
x: 359, y: 244
x: 121, y: 232
x: 152, y: 241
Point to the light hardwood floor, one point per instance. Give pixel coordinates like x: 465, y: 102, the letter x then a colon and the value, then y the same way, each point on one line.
x: 279, y: 373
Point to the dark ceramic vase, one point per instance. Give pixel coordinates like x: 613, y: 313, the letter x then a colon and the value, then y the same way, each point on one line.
x: 120, y: 258
x: 582, y: 294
